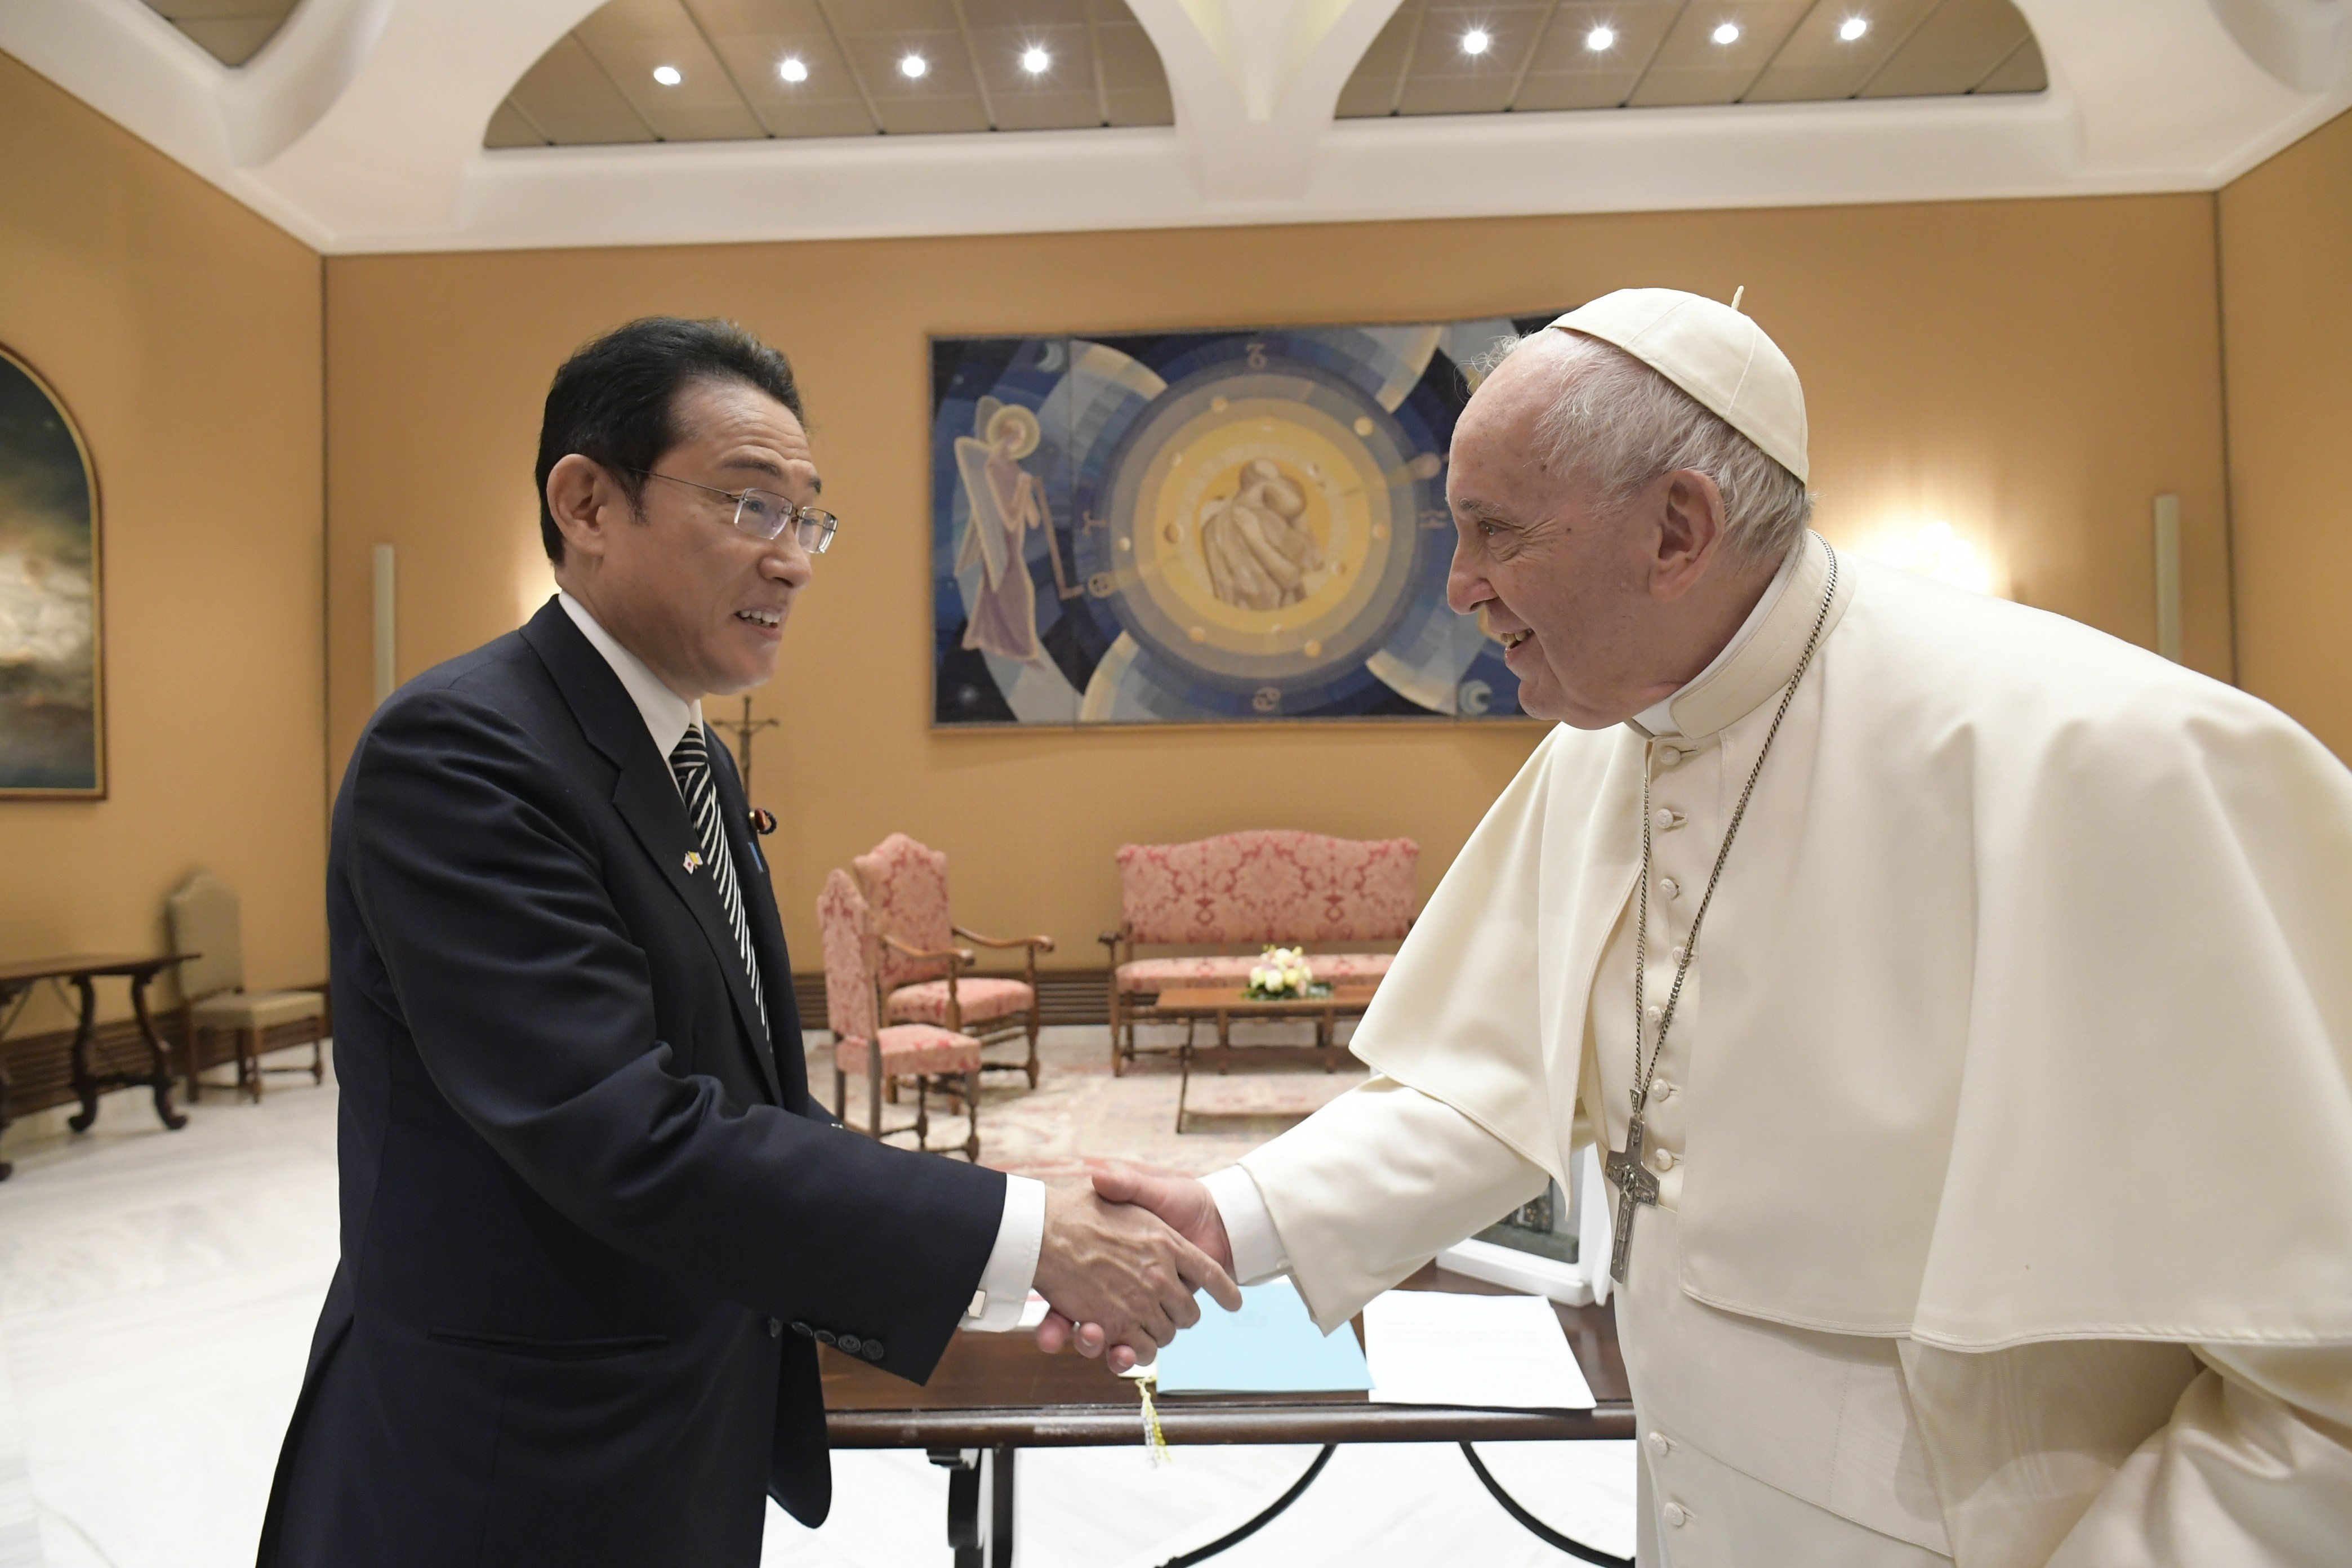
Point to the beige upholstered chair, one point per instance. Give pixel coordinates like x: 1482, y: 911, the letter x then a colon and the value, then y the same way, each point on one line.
x: 204, y: 920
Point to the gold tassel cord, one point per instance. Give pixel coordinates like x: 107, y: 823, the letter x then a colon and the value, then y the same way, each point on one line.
x: 1154, y: 1440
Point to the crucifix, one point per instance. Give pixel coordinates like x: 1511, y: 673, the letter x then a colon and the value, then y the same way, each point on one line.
x: 743, y: 729
x: 1635, y: 1186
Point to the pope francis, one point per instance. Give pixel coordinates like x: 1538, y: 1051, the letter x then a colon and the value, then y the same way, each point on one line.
x: 1963, y: 999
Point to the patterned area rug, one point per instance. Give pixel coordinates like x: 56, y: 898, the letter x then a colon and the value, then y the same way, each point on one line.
x: 1080, y: 1118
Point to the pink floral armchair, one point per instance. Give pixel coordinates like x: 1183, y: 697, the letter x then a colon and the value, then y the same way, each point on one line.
x: 931, y: 1056
x: 1247, y: 892
x: 925, y: 975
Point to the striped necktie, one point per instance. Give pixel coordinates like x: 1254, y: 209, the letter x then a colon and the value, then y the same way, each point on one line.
x: 690, y: 762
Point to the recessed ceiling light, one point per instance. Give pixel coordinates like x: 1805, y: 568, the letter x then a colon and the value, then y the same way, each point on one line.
x: 1035, y: 61
x: 1600, y: 40
x: 1853, y: 27
x: 913, y: 65
x: 1725, y: 33
x: 793, y: 68
x: 1477, y: 41
x: 669, y: 75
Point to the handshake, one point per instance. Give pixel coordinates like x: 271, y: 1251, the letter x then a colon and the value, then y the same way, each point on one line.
x: 1120, y: 1264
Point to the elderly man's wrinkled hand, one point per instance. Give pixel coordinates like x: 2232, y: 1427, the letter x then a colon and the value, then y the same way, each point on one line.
x: 1122, y: 1272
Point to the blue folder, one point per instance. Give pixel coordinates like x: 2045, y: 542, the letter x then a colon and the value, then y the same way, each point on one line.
x: 1270, y: 1346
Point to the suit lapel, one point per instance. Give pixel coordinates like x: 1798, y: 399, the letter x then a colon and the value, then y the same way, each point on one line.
x: 646, y: 794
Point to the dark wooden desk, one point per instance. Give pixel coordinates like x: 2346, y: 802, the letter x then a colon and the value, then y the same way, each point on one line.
x: 85, y: 969
x: 994, y: 1394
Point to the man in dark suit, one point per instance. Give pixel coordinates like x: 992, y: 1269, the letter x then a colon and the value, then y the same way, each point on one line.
x: 593, y: 1223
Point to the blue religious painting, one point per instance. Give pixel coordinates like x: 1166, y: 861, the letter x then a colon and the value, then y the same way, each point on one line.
x: 1203, y: 527
x: 52, y: 724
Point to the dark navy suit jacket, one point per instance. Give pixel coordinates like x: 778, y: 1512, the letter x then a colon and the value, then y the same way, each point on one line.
x: 589, y: 1221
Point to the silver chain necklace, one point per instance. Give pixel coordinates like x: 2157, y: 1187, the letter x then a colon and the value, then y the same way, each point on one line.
x: 1635, y: 1185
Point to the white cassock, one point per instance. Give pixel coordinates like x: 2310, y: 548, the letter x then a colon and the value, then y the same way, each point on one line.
x: 2004, y: 1135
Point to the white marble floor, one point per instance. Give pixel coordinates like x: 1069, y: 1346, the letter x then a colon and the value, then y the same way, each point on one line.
x: 157, y: 1292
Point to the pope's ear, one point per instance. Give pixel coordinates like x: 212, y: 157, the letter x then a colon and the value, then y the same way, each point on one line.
x: 578, y: 491
x: 1690, y: 520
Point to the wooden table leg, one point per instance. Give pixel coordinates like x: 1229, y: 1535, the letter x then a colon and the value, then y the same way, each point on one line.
x: 999, y: 1511
x: 85, y: 1082
x: 160, y: 1079
x: 1184, y: 1077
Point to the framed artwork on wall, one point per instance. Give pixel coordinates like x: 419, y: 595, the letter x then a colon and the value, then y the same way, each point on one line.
x: 1210, y: 527
x: 52, y: 684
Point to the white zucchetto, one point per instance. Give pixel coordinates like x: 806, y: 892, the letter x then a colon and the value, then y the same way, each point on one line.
x: 1711, y: 352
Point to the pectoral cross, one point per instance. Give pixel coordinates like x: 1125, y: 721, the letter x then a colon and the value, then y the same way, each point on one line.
x: 1635, y: 1186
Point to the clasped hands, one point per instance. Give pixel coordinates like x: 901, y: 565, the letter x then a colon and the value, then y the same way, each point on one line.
x: 1120, y: 1264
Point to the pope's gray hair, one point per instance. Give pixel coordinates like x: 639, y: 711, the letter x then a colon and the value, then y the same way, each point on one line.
x: 1617, y: 425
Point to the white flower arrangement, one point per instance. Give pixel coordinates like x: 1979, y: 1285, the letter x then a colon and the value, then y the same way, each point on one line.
x: 1281, y: 976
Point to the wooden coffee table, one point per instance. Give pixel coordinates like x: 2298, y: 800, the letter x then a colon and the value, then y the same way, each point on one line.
x: 1226, y: 1003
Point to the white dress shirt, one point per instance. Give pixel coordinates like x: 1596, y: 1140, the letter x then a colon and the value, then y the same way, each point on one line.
x: 1021, y: 1229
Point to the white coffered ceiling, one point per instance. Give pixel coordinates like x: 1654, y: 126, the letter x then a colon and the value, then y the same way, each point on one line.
x: 375, y: 125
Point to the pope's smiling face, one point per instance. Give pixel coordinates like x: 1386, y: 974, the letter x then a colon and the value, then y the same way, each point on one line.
x: 1593, y: 606
x: 700, y: 601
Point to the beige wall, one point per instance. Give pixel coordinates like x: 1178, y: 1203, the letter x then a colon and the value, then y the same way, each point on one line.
x: 2033, y: 373
x: 182, y: 331
x: 2286, y: 302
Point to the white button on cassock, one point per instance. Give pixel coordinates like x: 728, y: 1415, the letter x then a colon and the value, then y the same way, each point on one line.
x: 1660, y: 1444
x: 1661, y: 1158
x: 1666, y: 819
x: 1676, y: 1515
x: 1671, y: 887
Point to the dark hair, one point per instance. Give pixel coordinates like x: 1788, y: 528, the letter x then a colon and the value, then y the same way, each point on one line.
x: 614, y: 401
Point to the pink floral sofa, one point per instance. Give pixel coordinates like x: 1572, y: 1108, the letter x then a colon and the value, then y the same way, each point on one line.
x: 1241, y: 893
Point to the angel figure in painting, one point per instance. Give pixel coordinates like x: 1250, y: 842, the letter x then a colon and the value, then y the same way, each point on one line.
x: 1261, y: 553
x: 1007, y: 500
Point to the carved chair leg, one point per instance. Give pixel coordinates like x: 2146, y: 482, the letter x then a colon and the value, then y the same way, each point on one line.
x: 972, y: 1115
x: 922, y: 1112
x: 195, y: 1062
x: 249, y: 1058
x: 318, y: 1054
x: 840, y: 1086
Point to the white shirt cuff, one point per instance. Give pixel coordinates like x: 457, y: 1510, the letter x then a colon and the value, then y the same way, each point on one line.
x: 1258, y: 1253
x: 1013, y: 1264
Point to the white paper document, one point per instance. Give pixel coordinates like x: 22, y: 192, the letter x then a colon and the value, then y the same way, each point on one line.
x: 1431, y: 1347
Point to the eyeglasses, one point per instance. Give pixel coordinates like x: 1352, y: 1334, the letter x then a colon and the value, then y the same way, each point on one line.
x: 763, y: 515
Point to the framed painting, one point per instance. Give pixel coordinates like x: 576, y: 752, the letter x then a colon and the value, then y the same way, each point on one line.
x: 1208, y: 527
x: 52, y: 679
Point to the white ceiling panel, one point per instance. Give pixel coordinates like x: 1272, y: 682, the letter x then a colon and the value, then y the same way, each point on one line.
x: 843, y: 56
x: 634, y: 38
x: 575, y: 103
x: 231, y: 31
x: 2022, y: 72
x: 1818, y: 61
x: 1692, y: 67
x: 1959, y: 44
x: 1575, y: 69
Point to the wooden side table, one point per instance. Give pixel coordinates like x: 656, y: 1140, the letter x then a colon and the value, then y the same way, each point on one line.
x: 85, y: 969
x: 1226, y: 1003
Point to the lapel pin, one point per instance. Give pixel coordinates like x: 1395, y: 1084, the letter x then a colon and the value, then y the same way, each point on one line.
x: 763, y: 821
x: 693, y: 861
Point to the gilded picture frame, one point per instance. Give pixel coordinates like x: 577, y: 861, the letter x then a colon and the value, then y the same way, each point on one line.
x: 52, y: 621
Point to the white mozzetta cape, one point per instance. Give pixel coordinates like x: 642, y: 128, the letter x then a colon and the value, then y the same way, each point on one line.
x: 2029, y: 983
